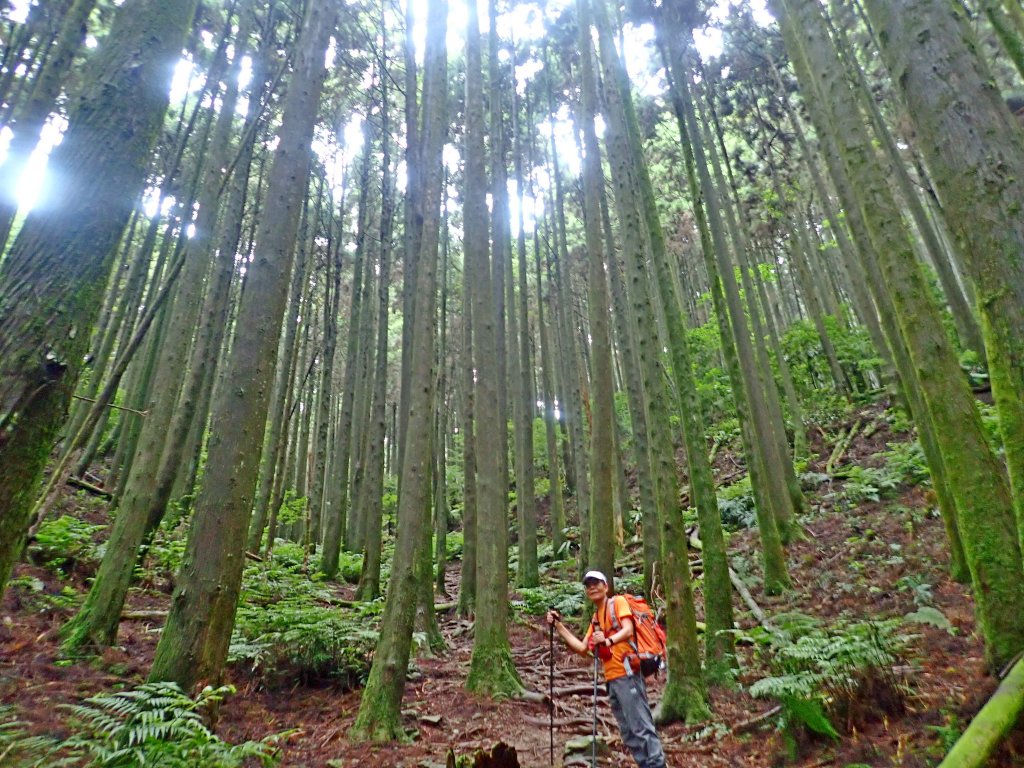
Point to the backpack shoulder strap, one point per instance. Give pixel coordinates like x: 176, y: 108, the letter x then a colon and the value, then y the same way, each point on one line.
x: 614, y: 617
x: 613, y: 620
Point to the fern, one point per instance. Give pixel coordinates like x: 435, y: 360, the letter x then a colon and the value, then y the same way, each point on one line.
x: 17, y: 747
x: 154, y: 725
x: 824, y: 675
x: 289, y: 625
x: 59, y: 545
x: 906, y: 463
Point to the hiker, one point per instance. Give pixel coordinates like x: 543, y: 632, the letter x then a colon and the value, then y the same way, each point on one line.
x: 626, y: 688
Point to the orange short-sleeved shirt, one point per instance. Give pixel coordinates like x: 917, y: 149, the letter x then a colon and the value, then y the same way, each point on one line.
x: 613, y: 667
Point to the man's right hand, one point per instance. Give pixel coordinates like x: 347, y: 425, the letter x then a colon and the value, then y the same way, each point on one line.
x: 552, y: 616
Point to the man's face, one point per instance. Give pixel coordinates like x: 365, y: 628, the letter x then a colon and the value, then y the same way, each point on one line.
x: 595, y: 589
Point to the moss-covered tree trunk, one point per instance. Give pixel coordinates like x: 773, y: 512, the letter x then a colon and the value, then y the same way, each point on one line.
x: 52, y: 278
x: 194, y: 642
x: 974, y: 150
x: 467, y: 413
x: 626, y: 334
x: 684, y: 697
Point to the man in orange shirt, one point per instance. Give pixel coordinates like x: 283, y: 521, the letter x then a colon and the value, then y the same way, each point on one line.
x: 626, y: 688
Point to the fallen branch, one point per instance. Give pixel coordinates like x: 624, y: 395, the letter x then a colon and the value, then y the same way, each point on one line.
x: 111, y: 405
x: 989, y: 726
x: 144, y: 615
x: 714, y: 451
x: 841, y: 446
x: 752, y: 723
x: 95, y: 490
x: 534, y: 696
x: 748, y: 599
x: 580, y: 690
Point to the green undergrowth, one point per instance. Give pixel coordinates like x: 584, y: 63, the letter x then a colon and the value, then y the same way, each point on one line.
x: 154, y: 724
x: 290, y: 626
x: 66, y: 545
x: 566, y: 597
x: 830, y: 679
x: 902, y: 464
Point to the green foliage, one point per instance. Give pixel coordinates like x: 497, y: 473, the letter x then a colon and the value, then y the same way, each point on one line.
x: 712, y: 379
x: 949, y: 732
x: 906, y: 462
x: 34, y: 596
x: 899, y: 420
x: 566, y: 597
x: 293, y: 508
x: 541, y: 486
x: 929, y: 614
x: 993, y: 430
x: 453, y: 545
x: 736, y: 504
x: 831, y: 676
x: 64, y: 544
x: 154, y: 724
x: 289, y: 626
x: 920, y: 590
x: 863, y: 484
x: 165, y: 553
x: 17, y: 747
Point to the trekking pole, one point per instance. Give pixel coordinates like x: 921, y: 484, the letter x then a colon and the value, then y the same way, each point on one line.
x: 593, y: 740
x: 551, y: 687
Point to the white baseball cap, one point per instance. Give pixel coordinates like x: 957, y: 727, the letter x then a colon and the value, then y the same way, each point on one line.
x: 594, y: 575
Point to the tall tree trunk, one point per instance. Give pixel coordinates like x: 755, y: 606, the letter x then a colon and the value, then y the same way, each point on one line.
x: 492, y: 671
x: 166, y: 426
x: 976, y: 165
x: 526, y: 504
x: 338, y: 524
x: 379, y: 715
x: 601, y: 554
x: 373, y: 484
x: 195, y: 639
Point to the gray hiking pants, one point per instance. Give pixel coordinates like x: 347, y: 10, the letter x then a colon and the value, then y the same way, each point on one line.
x: 629, y: 703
